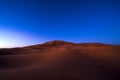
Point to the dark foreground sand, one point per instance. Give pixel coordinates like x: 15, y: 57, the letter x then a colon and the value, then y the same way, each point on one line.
x: 59, y: 60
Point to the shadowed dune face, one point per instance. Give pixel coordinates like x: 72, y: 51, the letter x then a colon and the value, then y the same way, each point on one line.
x: 59, y: 60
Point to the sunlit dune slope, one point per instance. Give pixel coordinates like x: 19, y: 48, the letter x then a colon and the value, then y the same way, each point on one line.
x: 60, y: 60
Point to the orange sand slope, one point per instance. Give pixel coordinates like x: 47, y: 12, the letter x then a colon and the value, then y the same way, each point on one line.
x: 60, y: 60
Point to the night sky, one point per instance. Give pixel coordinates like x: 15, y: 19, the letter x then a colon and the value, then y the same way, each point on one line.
x: 28, y: 22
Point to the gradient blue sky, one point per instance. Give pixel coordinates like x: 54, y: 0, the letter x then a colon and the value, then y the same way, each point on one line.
x: 27, y: 22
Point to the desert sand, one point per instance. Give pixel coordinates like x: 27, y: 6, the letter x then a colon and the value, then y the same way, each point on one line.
x: 60, y: 60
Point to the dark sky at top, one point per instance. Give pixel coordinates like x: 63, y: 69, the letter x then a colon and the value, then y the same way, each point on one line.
x: 34, y: 21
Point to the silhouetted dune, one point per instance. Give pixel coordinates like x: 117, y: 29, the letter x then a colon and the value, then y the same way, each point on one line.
x: 60, y: 60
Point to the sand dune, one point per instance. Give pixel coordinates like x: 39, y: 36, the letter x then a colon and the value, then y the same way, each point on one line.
x: 59, y: 60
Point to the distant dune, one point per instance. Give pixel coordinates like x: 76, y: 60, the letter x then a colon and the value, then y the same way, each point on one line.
x: 60, y: 60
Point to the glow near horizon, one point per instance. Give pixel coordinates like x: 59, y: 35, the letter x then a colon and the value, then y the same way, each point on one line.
x: 9, y: 39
